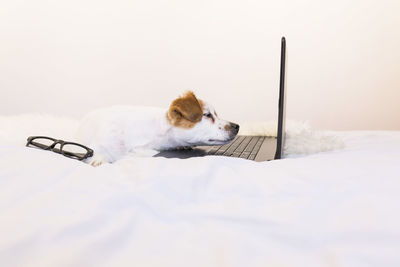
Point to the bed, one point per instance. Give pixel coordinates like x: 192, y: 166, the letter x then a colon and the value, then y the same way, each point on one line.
x: 334, y: 208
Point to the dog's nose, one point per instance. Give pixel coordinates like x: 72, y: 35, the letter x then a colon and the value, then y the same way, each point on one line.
x: 235, y: 126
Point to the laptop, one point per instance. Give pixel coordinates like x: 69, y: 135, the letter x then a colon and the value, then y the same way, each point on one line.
x: 257, y: 148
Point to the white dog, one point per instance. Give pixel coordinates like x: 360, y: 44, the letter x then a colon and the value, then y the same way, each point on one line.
x: 117, y: 131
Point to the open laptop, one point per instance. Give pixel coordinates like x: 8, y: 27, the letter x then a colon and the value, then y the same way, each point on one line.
x: 258, y: 148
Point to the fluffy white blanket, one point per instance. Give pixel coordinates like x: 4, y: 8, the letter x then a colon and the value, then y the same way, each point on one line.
x: 333, y: 208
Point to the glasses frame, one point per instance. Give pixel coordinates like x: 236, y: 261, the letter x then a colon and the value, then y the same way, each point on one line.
x: 72, y: 155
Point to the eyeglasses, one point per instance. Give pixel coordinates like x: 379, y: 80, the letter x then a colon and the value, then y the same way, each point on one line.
x: 68, y: 149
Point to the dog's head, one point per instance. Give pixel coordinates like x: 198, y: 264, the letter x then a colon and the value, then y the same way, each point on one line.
x: 196, y: 122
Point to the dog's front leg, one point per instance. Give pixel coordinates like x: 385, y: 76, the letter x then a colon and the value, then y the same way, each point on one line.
x: 97, y: 159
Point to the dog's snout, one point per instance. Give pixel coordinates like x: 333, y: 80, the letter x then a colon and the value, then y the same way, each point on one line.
x: 234, y: 126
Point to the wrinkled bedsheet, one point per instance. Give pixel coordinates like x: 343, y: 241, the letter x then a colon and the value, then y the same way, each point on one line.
x: 338, y: 208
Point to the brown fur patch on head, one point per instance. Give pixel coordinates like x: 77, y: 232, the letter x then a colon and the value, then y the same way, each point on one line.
x: 185, y: 111
x: 201, y: 104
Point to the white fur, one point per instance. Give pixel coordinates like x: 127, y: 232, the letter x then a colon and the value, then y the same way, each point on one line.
x: 120, y: 130
x: 300, y: 139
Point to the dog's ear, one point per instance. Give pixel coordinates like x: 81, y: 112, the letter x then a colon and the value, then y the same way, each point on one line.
x: 186, y: 107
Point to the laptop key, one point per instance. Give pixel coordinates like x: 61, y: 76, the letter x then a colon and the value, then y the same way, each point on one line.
x: 238, y: 151
x: 223, y: 148
x: 253, y: 141
x: 213, y: 150
x: 244, y: 155
x: 252, y: 157
x: 256, y: 148
x: 233, y: 147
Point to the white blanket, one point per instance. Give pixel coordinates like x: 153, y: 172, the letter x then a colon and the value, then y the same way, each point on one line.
x: 338, y: 208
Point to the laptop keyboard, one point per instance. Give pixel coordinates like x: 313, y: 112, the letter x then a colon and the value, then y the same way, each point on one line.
x: 245, y: 147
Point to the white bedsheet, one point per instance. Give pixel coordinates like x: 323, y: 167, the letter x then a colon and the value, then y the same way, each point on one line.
x: 338, y: 208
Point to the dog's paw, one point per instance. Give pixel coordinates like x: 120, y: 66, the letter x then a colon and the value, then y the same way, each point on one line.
x: 97, y: 160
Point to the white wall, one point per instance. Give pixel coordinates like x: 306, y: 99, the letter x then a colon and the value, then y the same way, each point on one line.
x: 67, y: 57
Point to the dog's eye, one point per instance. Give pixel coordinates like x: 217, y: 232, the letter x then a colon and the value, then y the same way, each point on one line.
x: 208, y: 115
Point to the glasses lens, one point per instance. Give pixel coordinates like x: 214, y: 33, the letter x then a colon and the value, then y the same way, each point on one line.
x: 74, y: 151
x: 42, y: 142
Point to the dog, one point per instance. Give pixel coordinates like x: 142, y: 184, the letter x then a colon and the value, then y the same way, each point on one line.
x: 121, y: 130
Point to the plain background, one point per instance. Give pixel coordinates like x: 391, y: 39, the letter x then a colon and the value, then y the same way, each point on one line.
x: 68, y: 57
